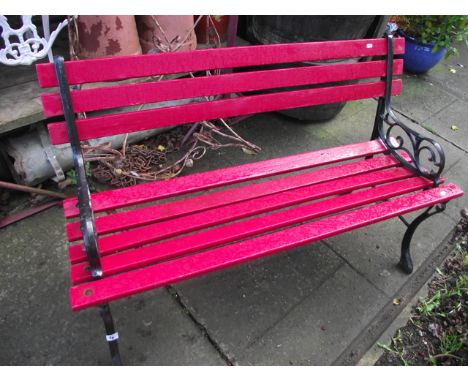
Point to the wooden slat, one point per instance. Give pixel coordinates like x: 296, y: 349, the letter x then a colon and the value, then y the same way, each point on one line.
x: 163, y: 230
x: 114, y: 124
x: 191, y: 183
x: 141, y: 93
x: 152, y: 214
x: 119, y: 68
x: 133, y: 259
x: 143, y: 279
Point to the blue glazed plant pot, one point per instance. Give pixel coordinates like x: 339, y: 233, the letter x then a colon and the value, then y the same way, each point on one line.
x: 419, y: 58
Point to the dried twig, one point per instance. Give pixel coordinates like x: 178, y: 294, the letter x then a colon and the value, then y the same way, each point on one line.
x: 176, y: 43
x: 142, y: 163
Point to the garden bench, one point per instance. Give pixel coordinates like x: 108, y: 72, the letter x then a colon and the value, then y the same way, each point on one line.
x: 122, y: 244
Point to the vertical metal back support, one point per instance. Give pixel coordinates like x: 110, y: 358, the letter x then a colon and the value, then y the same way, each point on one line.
x: 389, y: 71
x: 378, y: 121
x: 88, y: 227
x: 384, y: 102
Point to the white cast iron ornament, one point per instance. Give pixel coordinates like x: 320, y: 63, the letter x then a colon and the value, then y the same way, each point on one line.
x: 26, y: 46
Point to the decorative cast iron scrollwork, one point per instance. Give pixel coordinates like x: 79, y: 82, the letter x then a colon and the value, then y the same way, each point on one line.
x: 422, y: 154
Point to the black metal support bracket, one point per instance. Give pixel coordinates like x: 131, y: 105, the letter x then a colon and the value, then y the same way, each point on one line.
x: 87, y: 222
x: 406, y: 264
x: 395, y: 134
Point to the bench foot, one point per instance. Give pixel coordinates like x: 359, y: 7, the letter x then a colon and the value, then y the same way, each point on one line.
x: 112, y: 336
x: 406, y: 264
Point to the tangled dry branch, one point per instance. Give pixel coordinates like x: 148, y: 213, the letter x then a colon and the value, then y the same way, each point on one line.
x: 148, y: 161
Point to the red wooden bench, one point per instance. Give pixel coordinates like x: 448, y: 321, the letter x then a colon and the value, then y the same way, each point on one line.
x: 123, y: 251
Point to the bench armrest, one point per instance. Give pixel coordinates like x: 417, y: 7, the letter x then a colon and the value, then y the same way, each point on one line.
x: 422, y: 154
x: 415, y: 151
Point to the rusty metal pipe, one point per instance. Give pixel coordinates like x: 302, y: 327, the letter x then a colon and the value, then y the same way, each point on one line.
x: 32, y: 190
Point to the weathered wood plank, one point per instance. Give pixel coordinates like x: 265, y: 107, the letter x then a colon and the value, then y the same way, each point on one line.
x: 20, y: 105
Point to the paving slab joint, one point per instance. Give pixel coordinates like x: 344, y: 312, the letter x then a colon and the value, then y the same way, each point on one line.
x: 430, y: 130
x: 173, y: 292
x: 359, y: 272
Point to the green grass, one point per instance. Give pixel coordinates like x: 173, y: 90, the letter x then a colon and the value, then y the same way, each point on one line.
x: 450, y: 343
x: 416, y: 323
x: 462, y: 252
x: 427, y: 306
x: 396, y: 347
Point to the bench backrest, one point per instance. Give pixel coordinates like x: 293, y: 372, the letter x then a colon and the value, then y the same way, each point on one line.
x: 249, y: 79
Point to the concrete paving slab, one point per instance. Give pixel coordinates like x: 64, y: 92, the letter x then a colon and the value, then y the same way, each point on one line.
x: 37, y: 326
x: 451, y: 123
x: 316, y: 331
x: 155, y: 330
x: 451, y: 75
x: 240, y: 305
x: 353, y: 124
x: 374, y: 251
x: 420, y: 100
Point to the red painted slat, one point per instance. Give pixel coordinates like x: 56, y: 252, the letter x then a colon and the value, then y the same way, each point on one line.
x: 140, y: 93
x: 153, y: 214
x: 127, y: 122
x: 177, y: 186
x: 206, y: 239
x: 126, y: 284
x: 119, y: 68
x: 163, y: 230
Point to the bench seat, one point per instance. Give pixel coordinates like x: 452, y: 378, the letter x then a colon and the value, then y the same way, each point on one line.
x: 290, y: 204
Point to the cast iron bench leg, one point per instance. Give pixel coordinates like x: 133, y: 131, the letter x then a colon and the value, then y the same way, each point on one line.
x: 406, y: 264
x: 112, y: 336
